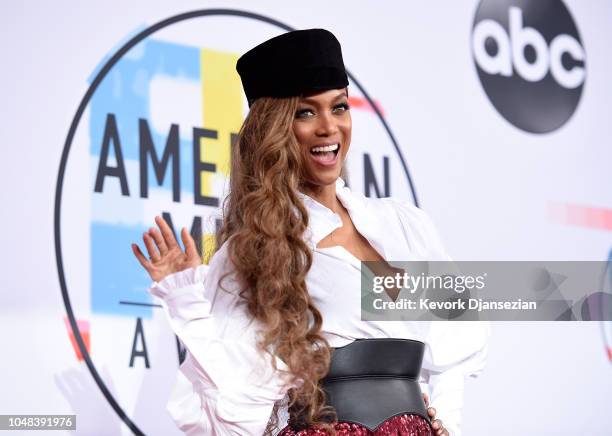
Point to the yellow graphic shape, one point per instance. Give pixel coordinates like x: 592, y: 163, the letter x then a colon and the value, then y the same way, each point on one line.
x: 222, y: 108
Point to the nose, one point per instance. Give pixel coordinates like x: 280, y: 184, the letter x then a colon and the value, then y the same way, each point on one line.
x: 327, y: 125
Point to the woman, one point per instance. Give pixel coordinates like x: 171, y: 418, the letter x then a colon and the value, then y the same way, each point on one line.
x: 260, y: 321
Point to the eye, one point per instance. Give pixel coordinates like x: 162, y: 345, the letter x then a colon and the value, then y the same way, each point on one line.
x: 342, y: 107
x: 304, y: 113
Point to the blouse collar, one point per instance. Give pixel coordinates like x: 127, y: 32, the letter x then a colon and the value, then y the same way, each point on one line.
x: 323, y: 221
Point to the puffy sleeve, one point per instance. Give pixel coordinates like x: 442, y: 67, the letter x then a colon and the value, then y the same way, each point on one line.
x: 225, y: 385
x: 454, y: 350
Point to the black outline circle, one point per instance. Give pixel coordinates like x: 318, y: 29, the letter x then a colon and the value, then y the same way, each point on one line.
x: 64, y: 158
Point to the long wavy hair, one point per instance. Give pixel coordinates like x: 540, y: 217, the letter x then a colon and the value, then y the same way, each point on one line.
x: 264, y: 220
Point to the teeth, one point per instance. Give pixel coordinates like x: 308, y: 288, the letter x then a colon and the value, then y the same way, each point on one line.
x: 332, y: 147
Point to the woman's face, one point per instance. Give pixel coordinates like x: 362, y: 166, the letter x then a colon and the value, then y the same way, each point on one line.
x: 322, y: 126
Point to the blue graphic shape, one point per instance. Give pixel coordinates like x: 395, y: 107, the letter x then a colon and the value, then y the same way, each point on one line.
x: 116, y: 276
x: 123, y: 92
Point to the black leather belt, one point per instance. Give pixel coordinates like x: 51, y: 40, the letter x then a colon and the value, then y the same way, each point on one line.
x: 373, y: 380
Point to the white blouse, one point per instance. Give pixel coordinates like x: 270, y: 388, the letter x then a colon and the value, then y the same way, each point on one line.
x: 226, y: 386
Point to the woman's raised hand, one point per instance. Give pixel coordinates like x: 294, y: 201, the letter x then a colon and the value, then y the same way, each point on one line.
x: 165, y: 254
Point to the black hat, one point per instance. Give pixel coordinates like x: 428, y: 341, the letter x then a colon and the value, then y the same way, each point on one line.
x: 291, y: 64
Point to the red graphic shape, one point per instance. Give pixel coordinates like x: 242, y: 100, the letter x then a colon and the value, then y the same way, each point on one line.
x: 83, y: 327
x: 364, y: 104
x: 582, y: 216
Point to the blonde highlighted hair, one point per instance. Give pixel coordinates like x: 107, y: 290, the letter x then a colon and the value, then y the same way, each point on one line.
x: 264, y: 220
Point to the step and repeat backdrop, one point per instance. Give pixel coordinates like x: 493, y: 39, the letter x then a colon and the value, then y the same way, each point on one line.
x: 491, y: 115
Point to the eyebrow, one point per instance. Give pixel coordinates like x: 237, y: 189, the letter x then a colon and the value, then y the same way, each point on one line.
x: 310, y: 100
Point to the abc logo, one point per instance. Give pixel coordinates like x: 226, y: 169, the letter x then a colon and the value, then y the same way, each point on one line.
x: 530, y: 61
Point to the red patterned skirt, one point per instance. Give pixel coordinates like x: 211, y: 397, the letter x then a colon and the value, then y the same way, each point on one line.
x: 399, y: 425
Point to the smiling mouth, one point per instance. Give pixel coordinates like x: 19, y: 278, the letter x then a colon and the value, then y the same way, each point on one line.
x: 325, y: 154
